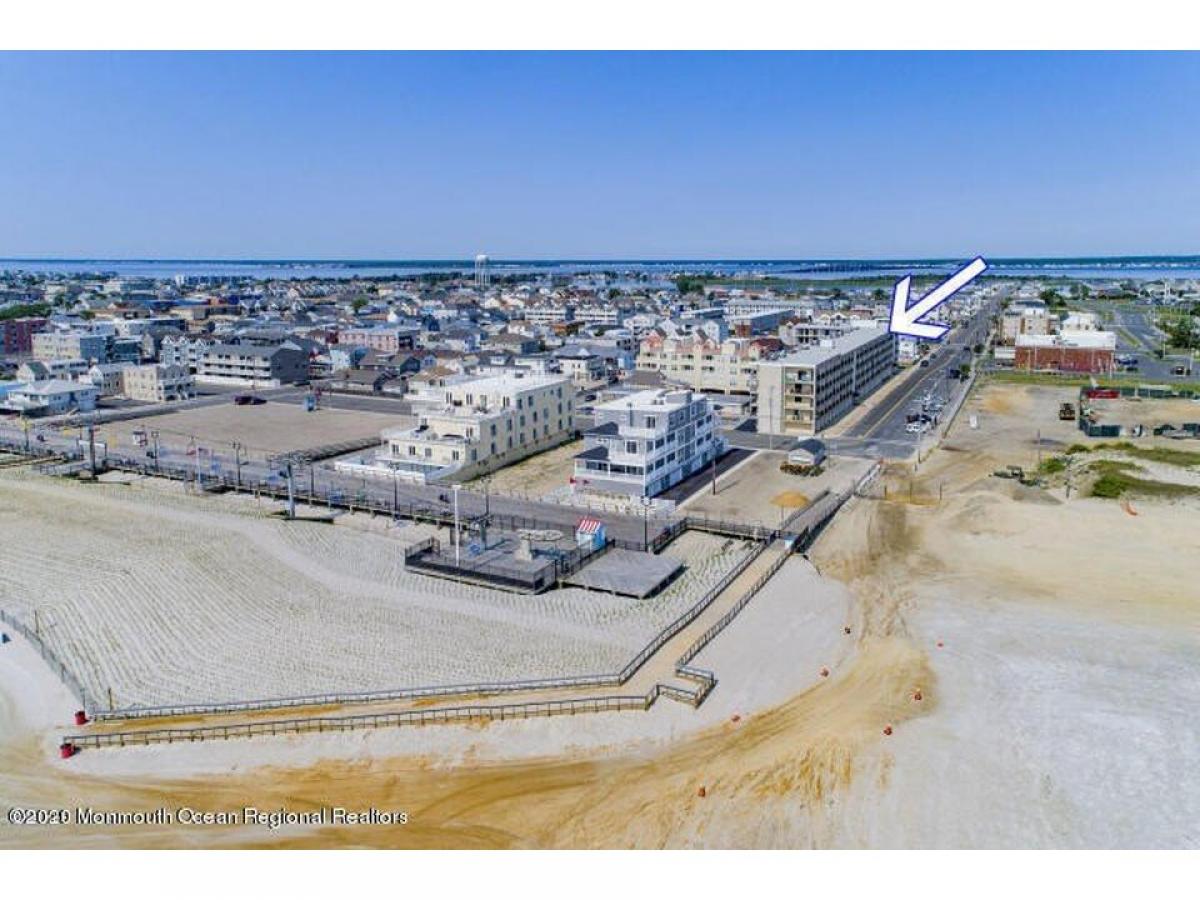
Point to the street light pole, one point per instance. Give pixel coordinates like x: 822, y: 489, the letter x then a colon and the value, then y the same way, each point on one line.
x: 457, y: 536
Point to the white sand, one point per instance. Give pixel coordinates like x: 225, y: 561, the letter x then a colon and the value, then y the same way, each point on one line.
x: 795, y: 625
x: 170, y: 599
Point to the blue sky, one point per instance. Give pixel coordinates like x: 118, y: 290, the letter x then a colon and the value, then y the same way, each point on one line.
x: 734, y: 155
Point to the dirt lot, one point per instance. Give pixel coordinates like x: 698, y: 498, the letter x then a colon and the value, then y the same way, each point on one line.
x: 266, y: 429
x: 757, y: 491
x: 536, y: 476
x: 1149, y: 413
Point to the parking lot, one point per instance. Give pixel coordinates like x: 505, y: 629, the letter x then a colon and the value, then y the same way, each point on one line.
x: 269, y: 428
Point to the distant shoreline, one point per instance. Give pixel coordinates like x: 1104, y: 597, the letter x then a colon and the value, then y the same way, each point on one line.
x: 1092, y: 267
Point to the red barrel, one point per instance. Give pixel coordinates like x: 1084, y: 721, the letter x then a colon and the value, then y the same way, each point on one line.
x: 80, y: 717
x: 66, y: 750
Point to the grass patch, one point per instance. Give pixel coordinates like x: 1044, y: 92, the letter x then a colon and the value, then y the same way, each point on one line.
x: 1051, y: 379
x: 1167, y: 455
x: 1053, y: 465
x: 1114, y: 466
x: 1115, y: 481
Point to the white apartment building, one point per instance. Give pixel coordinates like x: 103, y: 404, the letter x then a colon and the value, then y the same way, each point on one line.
x: 549, y: 315
x: 604, y: 314
x: 646, y: 442
x: 158, y: 383
x: 481, y: 424
x: 729, y: 366
x: 807, y: 391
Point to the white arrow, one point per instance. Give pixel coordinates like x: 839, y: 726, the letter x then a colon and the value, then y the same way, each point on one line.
x: 905, y: 318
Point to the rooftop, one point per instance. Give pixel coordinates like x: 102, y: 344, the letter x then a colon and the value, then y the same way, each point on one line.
x: 650, y: 399
x: 827, y: 350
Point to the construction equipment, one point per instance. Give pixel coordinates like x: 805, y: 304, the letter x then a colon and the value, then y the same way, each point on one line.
x: 1066, y: 412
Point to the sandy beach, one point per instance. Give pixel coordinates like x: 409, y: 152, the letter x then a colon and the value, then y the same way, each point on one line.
x: 1034, y: 659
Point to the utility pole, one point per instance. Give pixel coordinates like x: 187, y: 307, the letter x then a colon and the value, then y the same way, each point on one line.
x: 237, y: 460
x: 714, y: 474
x: 92, y: 446
x: 25, y: 425
x: 291, y: 486
x: 395, y: 494
x: 154, y: 437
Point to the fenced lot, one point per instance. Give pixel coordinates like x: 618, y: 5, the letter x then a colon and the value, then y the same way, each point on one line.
x: 269, y: 428
x: 163, y: 598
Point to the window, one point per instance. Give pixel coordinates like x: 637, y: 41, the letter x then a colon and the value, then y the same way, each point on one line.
x: 651, y: 422
x: 631, y: 446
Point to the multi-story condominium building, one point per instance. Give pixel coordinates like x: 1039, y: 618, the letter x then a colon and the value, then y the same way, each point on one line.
x: 644, y: 443
x: 737, y: 306
x: 601, y: 314
x: 480, y: 424
x: 106, y: 376
x: 383, y: 338
x: 747, y: 324
x: 72, y: 344
x: 16, y: 335
x: 807, y: 391
x: 549, y: 315
x: 1026, y: 317
x: 729, y: 366
x: 158, y: 383
x: 183, y: 351
x: 581, y: 365
x: 808, y: 333
x: 252, y: 366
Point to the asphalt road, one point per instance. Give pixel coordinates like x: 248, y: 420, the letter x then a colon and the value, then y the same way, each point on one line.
x: 881, y: 432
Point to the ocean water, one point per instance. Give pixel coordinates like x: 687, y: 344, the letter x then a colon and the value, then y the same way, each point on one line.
x: 1114, y: 267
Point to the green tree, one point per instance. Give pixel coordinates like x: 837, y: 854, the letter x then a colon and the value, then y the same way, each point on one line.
x: 1181, y: 332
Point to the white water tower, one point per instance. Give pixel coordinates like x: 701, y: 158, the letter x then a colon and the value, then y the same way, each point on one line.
x: 482, y: 276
